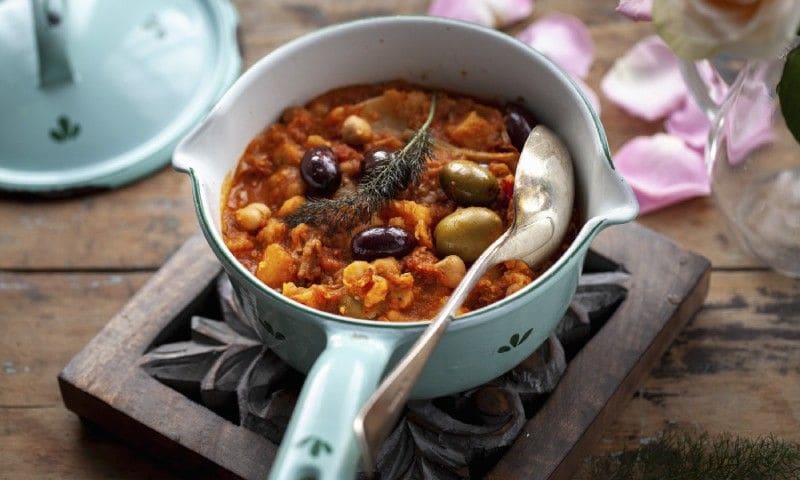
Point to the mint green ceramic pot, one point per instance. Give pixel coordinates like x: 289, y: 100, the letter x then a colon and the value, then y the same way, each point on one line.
x: 345, y: 358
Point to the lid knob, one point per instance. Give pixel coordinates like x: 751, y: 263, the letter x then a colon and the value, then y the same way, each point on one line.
x: 51, y: 45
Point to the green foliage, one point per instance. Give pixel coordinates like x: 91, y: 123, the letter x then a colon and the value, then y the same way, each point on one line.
x: 789, y: 92
x: 680, y: 456
x: 65, y: 130
x: 515, y: 341
x: 316, y: 445
x: 386, y: 182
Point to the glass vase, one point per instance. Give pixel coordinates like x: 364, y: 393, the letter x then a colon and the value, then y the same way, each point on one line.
x: 754, y: 163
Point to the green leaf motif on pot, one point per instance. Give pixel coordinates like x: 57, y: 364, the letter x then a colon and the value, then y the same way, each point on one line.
x: 789, y: 92
x: 316, y: 445
x: 65, y: 129
x: 515, y: 341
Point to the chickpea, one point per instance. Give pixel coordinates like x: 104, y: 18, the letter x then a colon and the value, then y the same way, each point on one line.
x: 453, y: 269
x: 356, y: 130
x: 316, y: 141
x: 253, y: 216
x: 290, y: 205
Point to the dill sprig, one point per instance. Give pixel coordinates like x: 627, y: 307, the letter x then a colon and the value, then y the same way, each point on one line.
x: 385, y: 182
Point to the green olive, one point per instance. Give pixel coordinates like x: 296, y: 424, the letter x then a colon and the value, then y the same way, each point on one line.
x: 467, y: 232
x: 467, y: 183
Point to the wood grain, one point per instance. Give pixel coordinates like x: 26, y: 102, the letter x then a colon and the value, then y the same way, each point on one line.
x: 52, y: 443
x: 136, y: 227
x: 60, y: 313
x: 735, y: 368
x: 99, y: 381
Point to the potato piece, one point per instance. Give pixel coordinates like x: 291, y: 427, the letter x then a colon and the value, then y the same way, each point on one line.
x: 473, y: 132
x: 377, y: 293
x: 356, y: 276
x: 277, y: 267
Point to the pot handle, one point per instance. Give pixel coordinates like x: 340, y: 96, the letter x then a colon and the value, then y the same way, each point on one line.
x: 51, y: 46
x: 320, y: 442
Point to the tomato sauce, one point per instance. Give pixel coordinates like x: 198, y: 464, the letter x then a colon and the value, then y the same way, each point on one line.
x: 315, y: 266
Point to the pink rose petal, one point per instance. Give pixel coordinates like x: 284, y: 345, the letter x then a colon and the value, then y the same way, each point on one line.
x: 510, y: 11
x: 690, y: 124
x: 662, y: 170
x: 639, y: 10
x: 564, y: 39
x: 490, y: 13
x: 474, y: 11
x: 646, y: 81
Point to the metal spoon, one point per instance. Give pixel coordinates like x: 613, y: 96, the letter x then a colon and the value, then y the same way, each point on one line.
x: 543, y: 196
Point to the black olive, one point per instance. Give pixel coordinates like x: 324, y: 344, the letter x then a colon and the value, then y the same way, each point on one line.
x: 320, y: 170
x: 381, y: 242
x: 519, y: 123
x: 375, y: 158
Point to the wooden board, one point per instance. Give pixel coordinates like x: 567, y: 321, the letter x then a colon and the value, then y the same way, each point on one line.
x: 104, y: 384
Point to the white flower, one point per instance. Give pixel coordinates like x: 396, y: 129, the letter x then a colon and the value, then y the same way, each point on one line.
x: 697, y: 29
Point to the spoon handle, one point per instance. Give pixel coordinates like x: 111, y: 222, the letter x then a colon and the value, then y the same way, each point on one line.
x: 381, y: 412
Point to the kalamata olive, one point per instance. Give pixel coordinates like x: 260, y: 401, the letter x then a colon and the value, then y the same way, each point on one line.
x: 519, y: 123
x: 320, y: 170
x: 374, y: 158
x: 467, y: 183
x: 380, y: 242
x: 467, y: 232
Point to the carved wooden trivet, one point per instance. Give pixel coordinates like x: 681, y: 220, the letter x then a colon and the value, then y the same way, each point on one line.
x: 455, y: 436
x: 450, y: 437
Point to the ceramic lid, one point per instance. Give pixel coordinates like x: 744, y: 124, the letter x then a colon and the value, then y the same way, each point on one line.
x: 99, y: 93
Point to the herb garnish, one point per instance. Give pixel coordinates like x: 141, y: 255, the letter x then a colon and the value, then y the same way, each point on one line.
x: 385, y: 182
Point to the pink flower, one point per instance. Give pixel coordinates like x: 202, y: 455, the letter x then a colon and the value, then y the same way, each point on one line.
x: 690, y: 124
x: 662, y: 170
x: 490, y: 13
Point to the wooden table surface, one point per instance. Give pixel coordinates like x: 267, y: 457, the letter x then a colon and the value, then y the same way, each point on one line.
x: 67, y: 265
